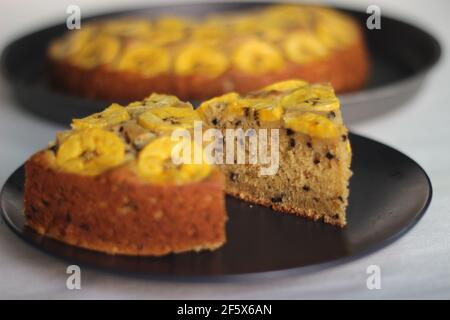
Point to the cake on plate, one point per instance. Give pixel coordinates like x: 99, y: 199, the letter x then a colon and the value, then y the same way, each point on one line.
x: 111, y: 183
x: 307, y: 146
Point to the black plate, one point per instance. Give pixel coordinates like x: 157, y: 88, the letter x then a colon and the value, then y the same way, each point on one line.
x: 401, y: 56
x: 389, y: 193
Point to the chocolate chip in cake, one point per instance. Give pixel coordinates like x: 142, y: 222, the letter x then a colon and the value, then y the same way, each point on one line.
x: 246, y: 112
x: 292, y: 142
x: 329, y: 155
x: 306, y: 187
x: 309, y: 145
x: 214, y: 121
x: 316, y: 161
x: 341, y: 199
x: 344, y: 137
x: 256, y: 116
x: 233, y: 176
x: 289, y: 132
x: 336, y: 216
x: 331, y: 115
x: 238, y: 123
x: 277, y: 199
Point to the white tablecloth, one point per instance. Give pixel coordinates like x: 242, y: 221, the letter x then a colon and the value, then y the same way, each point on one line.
x: 415, y: 266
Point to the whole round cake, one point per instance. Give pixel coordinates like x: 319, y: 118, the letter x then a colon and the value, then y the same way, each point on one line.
x: 124, y: 59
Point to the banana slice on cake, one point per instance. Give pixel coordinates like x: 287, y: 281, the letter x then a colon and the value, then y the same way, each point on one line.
x: 311, y: 124
x: 268, y: 111
x: 155, y: 100
x: 334, y: 31
x: 318, y: 98
x: 99, y: 51
x: 201, y: 59
x: 72, y: 43
x: 209, y: 33
x: 165, y: 100
x: 303, y: 47
x: 257, y: 57
x: 168, y: 118
x: 90, y: 151
x: 212, y: 109
x: 168, y: 30
x: 145, y: 59
x: 285, y: 86
x: 156, y: 162
x: 112, y: 115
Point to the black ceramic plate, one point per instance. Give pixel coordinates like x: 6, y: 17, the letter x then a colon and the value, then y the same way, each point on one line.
x: 401, y: 55
x: 389, y: 193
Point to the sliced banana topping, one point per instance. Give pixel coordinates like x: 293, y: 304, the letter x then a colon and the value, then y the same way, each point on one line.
x: 128, y: 27
x: 156, y: 163
x: 202, y: 60
x: 164, y: 100
x: 257, y: 57
x: 168, y: 118
x: 254, y: 43
x: 112, y: 115
x: 303, y: 47
x: 284, y: 86
x: 268, y: 112
x: 311, y: 124
x: 171, y: 23
x: 313, y: 98
x: 145, y: 59
x: 218, y: 103
x: 169, y: 30
x: 90, y: 151
x: 333, y: 30
x: 210, y: 34
x: 140, y: 132
x: 72, y: 43
x: 102, y: 50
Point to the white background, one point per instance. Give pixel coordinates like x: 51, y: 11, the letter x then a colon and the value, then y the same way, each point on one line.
x: 416, y: 266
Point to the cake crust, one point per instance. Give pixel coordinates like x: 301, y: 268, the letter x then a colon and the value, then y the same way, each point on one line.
x: 118, y: 213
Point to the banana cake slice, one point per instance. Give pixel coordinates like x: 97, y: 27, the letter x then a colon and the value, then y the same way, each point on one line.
x: 110, y: 184
x: 311, y: 171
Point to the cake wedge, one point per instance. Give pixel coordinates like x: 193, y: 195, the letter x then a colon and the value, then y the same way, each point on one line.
x: 110, y: 185
x: 304, y: 128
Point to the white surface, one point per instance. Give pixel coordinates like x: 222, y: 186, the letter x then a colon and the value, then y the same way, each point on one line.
x: 416, y: 266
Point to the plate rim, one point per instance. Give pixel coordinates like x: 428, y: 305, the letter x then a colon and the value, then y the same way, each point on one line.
x: 321, y: 264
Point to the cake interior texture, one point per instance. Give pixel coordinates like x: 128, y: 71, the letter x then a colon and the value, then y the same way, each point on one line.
x: 314, y: 153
